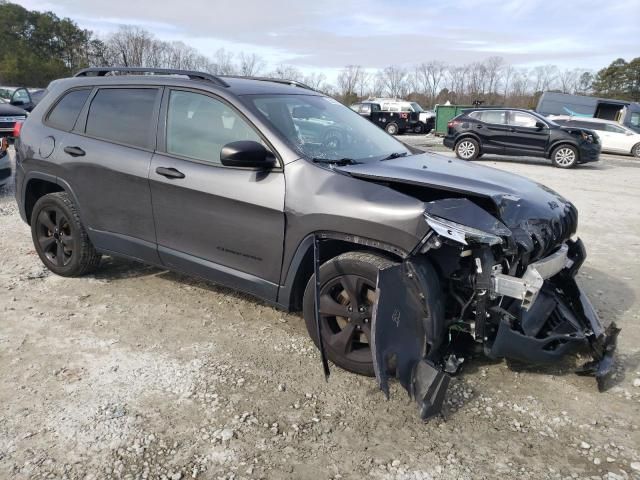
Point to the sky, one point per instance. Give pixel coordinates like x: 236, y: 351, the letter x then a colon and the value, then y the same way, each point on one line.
x: 325, y: 35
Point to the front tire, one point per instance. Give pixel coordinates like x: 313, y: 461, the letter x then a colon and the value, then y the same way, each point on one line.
x: 565, y: 156
x: 392, y: 129
x: 60, y: 238
x: 418, y: 129
x: 467, y: 149
x: 635, y: 151
x: 347, y: 290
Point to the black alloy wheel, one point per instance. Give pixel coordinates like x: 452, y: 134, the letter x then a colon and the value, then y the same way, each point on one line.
x: 347, y: 295
x: 54, y: 236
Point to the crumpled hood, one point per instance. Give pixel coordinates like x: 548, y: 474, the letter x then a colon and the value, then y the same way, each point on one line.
x: 521, y: 203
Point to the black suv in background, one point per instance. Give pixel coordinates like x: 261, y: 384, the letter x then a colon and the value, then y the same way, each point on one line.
x: 515, y: 132
x: 248, y: 183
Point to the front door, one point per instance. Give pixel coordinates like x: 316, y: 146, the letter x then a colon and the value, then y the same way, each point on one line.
x: 221, y: 223
x: 524, y: 137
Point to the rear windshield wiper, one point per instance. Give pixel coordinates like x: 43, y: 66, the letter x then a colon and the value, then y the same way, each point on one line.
x: 394, y: 155
x: 335, y: 161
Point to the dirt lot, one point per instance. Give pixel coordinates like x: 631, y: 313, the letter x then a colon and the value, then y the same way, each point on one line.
x: 140, y: 373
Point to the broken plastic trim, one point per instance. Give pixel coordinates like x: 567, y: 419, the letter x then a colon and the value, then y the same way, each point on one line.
x: 407, y: 332
x: 528, y: 287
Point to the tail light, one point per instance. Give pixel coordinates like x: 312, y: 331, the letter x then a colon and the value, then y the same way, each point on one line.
x: 453, y: 123
x: 17, y: 127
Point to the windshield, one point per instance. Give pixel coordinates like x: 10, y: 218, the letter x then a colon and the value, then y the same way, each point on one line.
x: 417, y: 107
x: 322, y: 128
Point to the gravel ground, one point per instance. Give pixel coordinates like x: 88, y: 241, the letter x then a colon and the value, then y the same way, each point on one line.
x: 140, y: 373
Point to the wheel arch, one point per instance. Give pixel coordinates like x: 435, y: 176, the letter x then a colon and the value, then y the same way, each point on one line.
x: 300, y: 269
x: 38, y: 184
x: 561, y: 142
x: 465, y: 136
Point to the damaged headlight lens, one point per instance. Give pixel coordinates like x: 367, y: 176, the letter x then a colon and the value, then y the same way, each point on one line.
x: 461, y: 233
x: 588, y: 137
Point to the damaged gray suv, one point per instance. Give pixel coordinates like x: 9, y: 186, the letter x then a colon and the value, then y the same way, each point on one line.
x: 267, y: 185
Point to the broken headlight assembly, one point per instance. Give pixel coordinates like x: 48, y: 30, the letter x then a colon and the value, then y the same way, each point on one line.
x: 464, y: 234
x: 588, y: 137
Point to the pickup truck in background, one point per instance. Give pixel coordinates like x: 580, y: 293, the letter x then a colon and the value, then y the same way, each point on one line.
x: 396, y: 116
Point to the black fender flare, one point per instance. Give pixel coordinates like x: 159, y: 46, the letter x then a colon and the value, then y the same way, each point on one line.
x: 36, y: 175
x: 305, y: 248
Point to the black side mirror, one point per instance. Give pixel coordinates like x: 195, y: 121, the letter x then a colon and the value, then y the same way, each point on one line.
x: 246, y: 153
x: 540, y: 125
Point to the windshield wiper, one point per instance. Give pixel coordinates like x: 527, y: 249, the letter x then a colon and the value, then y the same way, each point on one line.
x: 335, y: 161
x: 394, y: 155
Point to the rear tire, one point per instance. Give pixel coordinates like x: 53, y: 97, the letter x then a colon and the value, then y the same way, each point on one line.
x: 635, y: 151
x: 564, y: 156
x: 392, y: 129
x: 347, y: 281
x: 60, y: 238
x: 467, y: 149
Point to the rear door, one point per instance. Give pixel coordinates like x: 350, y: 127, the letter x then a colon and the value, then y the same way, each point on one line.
x: 105, y: 159
x: 524, y: 137
x: 617, y: 139
x: 491, y: 127
x: 221, y: 223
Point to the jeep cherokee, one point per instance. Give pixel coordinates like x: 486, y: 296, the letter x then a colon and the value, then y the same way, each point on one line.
x: 256, y: 184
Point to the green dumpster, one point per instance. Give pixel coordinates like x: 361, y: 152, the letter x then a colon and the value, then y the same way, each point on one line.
x: 444, y: 113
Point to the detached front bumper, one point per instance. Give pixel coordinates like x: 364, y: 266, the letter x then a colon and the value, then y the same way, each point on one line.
x: 537, y: 319
x: 555, y: 317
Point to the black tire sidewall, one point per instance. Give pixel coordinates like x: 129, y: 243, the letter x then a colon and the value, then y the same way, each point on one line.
x: 342, y: 265
x: 635, y: 151
x: 475, y: 143
x: 74, y: 266
x: 555, y: 151
x: 393, y: 126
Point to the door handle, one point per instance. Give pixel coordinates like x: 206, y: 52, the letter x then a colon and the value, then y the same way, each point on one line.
x: 478, y: 126
x: 74, y: 151
x: 169, y: 172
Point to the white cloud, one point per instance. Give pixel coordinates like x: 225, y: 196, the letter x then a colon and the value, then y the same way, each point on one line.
x: 329, y: 34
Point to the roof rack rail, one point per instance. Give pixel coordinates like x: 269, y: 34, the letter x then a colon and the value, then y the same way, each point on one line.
x: 293, y: 83
x: 193, y: 75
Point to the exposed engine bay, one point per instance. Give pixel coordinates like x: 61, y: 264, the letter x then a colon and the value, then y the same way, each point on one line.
x: 512, y: 291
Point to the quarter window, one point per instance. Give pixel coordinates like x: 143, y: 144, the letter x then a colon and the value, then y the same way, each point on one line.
x: 198, y: 126
x: 64, y: 114
x: 123, y: 115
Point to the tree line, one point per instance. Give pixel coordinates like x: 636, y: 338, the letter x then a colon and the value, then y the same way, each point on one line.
x: 37, y: 47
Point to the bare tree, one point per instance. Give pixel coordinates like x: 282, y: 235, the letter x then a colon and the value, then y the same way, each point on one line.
x: 493, y: 67
x: 428, y: 78
x: 250, y: 64
x: 395, y: 81
x: 287, y: 72
x: 348, y: 79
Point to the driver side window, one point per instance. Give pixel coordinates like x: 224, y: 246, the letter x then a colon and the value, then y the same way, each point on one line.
x: 198, y: 126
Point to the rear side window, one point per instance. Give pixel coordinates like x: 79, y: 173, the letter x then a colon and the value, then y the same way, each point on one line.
x: 65, y: 113
x: 123, y: 115
x: 490, y: 116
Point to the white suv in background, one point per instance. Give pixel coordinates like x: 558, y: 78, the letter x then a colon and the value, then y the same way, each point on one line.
x: 614, y: 137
